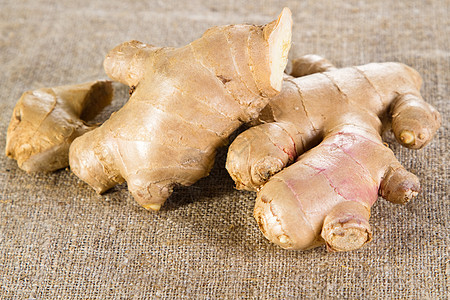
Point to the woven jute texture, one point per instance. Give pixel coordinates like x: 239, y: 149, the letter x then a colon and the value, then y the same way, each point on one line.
x: 59, y: 239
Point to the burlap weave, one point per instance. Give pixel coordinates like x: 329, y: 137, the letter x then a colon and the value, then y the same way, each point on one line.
x: 58, y: 239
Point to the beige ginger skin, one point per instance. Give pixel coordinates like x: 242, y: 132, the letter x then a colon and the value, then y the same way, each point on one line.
x: 185, y: 103
x: 326, y: 195
x: 46, y: 121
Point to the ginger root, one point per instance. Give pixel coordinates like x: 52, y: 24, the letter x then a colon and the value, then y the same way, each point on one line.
x: 184, y: 104
x: 46, y: 121
x: 326, y: 195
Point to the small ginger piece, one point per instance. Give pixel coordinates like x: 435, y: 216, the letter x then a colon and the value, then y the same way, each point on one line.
x: 184, y: 104
x: 310, y: 64
x: 317, y: 160
x: 46, y: 121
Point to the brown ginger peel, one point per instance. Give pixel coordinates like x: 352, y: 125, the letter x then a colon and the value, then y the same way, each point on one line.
x: 329, y: 123
x: 46, y: 121
x: 185, y: 102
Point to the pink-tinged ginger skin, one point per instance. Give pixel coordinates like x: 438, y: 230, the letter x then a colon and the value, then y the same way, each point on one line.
x: 317, y: 158
x: 185, y: 103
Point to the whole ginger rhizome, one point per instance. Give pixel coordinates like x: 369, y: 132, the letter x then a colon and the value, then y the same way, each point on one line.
x: 316, y: 159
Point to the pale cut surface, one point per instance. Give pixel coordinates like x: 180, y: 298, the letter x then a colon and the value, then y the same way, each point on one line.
x: 279, y: 45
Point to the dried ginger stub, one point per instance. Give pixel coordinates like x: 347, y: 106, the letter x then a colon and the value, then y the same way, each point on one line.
x: 46, y: 121
x: 317, y: 159
x: 186, y: 102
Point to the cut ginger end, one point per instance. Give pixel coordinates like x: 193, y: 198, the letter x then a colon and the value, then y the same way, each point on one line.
x: 279, y: 40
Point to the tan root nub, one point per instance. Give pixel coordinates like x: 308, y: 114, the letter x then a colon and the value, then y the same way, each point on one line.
x: 126, y: 62
x: 310, y: 64
x: 326, y: 194
x: 184, y: 105
x: 414, y: 121
x: 46, y: 121
x: 399, y: 186
x: 407, y: 137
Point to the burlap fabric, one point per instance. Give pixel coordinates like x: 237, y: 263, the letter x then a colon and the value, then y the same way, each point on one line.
x: 58, y: 239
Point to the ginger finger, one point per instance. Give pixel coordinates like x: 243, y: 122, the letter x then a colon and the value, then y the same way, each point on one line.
x: 277, y: 150
x: 46, y: 121
x: 398, y: 185
x: 310, y: 64
x: 126, y: 62
x: 414, y: 121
